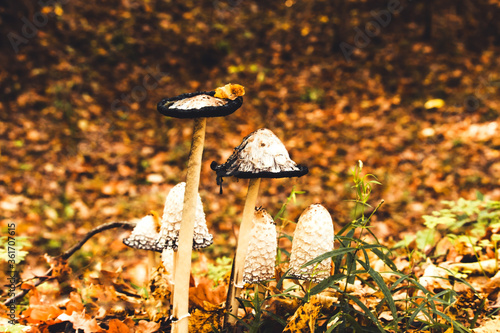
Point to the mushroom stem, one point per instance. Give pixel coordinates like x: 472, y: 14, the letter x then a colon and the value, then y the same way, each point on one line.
x: 182, y: 272
x: 241, y: 249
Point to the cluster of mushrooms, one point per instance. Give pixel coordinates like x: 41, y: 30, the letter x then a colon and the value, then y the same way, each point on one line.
x: 183, y: 227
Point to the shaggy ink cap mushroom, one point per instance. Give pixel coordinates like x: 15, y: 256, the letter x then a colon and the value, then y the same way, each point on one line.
x: 219, y: 103
x: 144, y: 235
x: 261, y: 154
x: 261, y: 253
x: 171, y: 222
x: 313, y: 236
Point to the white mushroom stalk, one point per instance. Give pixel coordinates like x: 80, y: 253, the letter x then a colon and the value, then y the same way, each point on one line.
x: 144, y: 235
x: 172, y: 219
x: 313, y: 236
x: 260, y: 261
x: 260, y: 155
x: 183, y: 269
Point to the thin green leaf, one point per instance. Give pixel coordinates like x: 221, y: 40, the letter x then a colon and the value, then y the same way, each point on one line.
x: 383, y: 287
x: 335, y: 325
x: 275, y: 317
x: 415, y: 314
x: 330, y: 254
x: 385, y: 259
x: 353, y: 322
x: 367, y: 311
x: 326, y: 283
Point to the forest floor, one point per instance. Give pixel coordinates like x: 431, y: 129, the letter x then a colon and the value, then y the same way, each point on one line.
x: 81, y: 142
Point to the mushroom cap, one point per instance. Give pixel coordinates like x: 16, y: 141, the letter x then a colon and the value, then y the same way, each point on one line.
x: 260, y: 259
x: 261, y: 154
x: 313, y: 236
x: 197, y: 105
x: 171, y: 222
x: 144, y: 235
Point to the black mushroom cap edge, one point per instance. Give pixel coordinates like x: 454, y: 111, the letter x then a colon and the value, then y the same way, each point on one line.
x: 220, y: 171
x: 208, y: 111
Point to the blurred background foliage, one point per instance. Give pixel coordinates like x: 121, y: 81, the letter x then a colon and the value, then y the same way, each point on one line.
x: 82, y: 143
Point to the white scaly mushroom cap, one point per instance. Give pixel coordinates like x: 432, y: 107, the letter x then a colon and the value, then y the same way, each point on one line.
x: 172, y: 217
x: 197, y: 102
x: 261, y: 151
x: 144, y: 235
x: 313, y: 236
x: 261, y: 254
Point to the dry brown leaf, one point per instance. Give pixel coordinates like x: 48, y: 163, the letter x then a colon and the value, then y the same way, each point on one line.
x: 304, y: 319
x: 38, y: 311
x: 204, y: 321
x: 489, y: 326
x: 116, y: 326
x: 74, y: 304
x: 147, y: 326
x: 204, y: 292
x: 81, y: 321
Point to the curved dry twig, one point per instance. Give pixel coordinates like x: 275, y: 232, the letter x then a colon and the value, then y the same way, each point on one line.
x: 67, y: 254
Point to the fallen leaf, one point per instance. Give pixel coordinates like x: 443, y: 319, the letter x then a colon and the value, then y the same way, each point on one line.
x: 204, y: 292
x: 147, y: 326
x: 80, y: 321
x: 116, y: 326
x: 304, y: 319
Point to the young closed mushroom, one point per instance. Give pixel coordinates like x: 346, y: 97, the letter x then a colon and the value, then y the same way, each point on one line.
x: 172, y: 218
x: 313, y: 236
x: 260, y: 155
x: 198, y: 106
x: 144, y: 235
x: 260, y: 260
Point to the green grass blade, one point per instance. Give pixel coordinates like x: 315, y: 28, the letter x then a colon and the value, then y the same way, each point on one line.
x: 383, y: 287
x: 330, y: 254
x: 367, y: 311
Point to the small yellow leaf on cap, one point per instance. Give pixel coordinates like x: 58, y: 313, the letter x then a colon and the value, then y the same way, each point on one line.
x: 434, y: 103
x: 230, y: 91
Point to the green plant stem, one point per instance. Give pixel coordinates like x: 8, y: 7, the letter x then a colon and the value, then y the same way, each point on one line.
x: 182, y: 272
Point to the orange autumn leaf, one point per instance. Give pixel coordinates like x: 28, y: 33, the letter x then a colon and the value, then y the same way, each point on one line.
x: 74, y: 303
x: 304, y: 319
x: 82, y: 321
x: 116, y: 326
x: 147, y: 326
x: 204, y: 292
x: 40, y: 313
x: 230, y: 91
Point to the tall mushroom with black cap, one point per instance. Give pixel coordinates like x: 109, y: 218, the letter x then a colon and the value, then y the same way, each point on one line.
x: 260, y: 155
x: 199, y: 106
